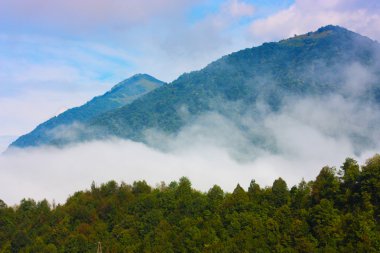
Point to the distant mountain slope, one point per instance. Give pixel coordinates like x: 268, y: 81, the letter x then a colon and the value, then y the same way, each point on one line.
x: 121, y: 94
x: 316, y: 64
x: 311, y: 64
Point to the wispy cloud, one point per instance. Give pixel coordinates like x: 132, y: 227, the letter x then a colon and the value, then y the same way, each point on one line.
x: 211, y: 150
x: 22, y: 113
x: 307, y: 15
x: 237, y: 8
x: 88, y: 15
x: 40, y: 75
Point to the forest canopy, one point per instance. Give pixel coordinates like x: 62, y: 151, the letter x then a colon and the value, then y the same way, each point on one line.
x: 339, y: 211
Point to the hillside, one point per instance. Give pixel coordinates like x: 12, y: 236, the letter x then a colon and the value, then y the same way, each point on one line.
x: 120, y: 95
x: 316, y: 64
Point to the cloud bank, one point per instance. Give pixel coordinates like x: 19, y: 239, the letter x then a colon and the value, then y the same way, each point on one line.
x: 296, y: 143
x: 58, y: 55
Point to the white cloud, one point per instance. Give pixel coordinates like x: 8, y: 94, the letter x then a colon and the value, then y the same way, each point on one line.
x: 22, y: 113
x: 40, y: 75
x: 237, y: 8
x: 308, y: 15
x: 56, y: 173
x: 307, y: 134
x: 88, y: 15
x: 29, y: 61
x: 5, y: 140
x: 190, y: 46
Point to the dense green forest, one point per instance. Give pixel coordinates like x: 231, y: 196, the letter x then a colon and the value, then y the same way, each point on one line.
x: 337, y: 212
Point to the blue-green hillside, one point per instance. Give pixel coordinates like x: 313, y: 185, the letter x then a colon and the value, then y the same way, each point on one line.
x: 316, y: 64
x: 313, y: 64
x: 120, y: 95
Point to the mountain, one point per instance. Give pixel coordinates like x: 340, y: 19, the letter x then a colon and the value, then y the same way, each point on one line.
x: 313, y: 64
x: 120, y: 95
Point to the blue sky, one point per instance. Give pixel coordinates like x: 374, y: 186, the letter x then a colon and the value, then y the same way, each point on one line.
x: 58, y: 54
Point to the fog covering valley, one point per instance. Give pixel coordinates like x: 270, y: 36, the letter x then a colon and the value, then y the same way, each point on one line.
x: 220, y: 146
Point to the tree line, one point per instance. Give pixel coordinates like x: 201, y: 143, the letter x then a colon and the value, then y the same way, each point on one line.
x: 339, y: 211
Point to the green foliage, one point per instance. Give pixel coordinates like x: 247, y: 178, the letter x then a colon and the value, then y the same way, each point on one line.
x: 326, y: 186
x: 325, y: 223
x: 316, y: 216
x: 370, y: 184
x: 280, y: 193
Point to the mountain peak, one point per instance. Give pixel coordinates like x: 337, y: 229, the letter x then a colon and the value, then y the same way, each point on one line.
x: 142, y: 76
x: 333, y: 32
x: 138, y: 80
x: 332, y: 28
x: 120, y: 95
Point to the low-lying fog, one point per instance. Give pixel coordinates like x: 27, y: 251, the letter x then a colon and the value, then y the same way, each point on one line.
x: 297, y: 142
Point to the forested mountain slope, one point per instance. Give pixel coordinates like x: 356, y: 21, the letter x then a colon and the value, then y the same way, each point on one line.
x: 121, y: 94
x: 314, y: 64
x: 331, y: 60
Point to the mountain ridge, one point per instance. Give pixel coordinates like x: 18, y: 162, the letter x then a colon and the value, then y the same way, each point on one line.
x: 312, y: 64
x: 229, y: 82
x: 122, y: 93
